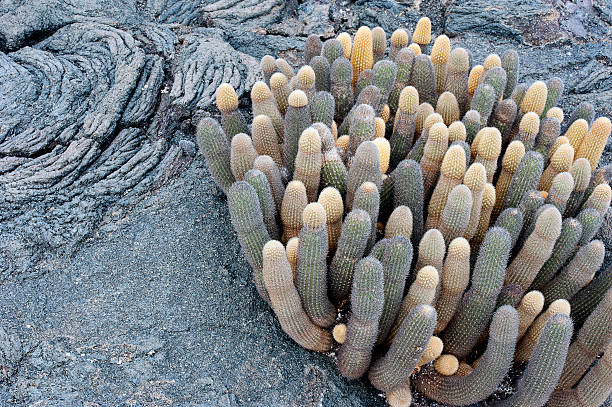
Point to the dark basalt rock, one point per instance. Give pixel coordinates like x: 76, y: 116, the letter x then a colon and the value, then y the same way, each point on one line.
x: 121, y: 282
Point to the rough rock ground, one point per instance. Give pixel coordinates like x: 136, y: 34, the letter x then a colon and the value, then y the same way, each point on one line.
x: 121, y: 281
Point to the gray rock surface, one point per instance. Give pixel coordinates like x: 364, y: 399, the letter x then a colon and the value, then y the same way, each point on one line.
x: 121, y: 281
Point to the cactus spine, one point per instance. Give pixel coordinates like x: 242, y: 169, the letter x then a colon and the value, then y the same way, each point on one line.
x: 294, y: 202
x: 365, y: 167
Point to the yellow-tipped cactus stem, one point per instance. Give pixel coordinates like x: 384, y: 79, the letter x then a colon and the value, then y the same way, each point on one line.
x: 555, y: 112
x: 263, y: 103
x: 512, y: 158
x: 385, y: 151
x: 455, y: 279
x: 474, y: 80
x: 399, y: 223
x: 456, y: 132
x: 285, y: 301
x: 281, y: 90
x: 599, y: 199
x: 561, y: 161
x: 292, y: 254
x: 379, y: 127
x: 362, y: 56
x: 424, y: 110
x: 379, y: 43
x: 242, y: 155
x: 227, y: 99
x: 421, y: 291
x: 432, y: 351
x: 595, y: 142
x: 475, y: 179
x: 528, y: 309
x: 308, y: 162
x: 343, y: 142
x: 268, y: 66
x: 488, y: 150
x: 347, y: 44
x: 416, y: 48
x: 306, y: 81
x: 422, y: 33
x: 400, y: 396
x: 446, y: 365
x: 294, y: 202
x: 339, y: 333
x: 331, y: 200
x: 283, y: 66
x: 232, y: 119
x: 491, y: 61
x: 433, y: 154
x: 535, y: 98
x: 265, y: 139
x: 530, y: 339
x: 440, y: 53
x: 399, y: 39
x: 528, y: 129
x: 448, y: 108
x: 488, y: 202
x: 537, y: 248
x: 561, y: 140
x: 431, y: 250
x: 451, y: 174
x: 385, y: 113
x: 576, y: 132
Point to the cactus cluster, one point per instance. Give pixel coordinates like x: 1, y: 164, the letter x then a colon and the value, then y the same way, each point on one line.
x: 424, y: 218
